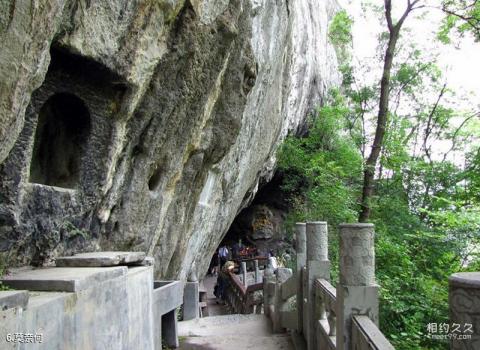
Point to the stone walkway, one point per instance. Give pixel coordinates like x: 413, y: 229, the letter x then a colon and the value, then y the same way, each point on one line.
x: 214, y: 309
x: 229, y: 332
x: 223, y: 331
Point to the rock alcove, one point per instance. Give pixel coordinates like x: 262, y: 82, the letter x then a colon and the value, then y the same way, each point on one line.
x: 60, y: 140
x: 261, y: 224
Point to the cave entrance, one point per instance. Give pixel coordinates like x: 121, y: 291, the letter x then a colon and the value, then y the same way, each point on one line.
x: 260, y: 226
x: 60, y: 141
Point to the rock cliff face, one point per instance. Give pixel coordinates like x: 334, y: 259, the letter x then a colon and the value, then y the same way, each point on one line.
x: 147, y: 125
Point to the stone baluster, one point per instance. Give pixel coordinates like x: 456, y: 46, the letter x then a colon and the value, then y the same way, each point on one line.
x: 301, y: 247
x: 464, y: 303
x: 258, y: 278
x: 357, y: 292
x: 244, y: 273
x: 318, y: 266
x: 305, y: 302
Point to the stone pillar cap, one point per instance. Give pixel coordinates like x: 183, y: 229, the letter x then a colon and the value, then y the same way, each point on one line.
x: 465, y: 279
x: 300, y: 223
x: 358, y: 224
x: 317, y: 222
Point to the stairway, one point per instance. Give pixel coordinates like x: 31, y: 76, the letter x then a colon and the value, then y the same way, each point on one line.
x: 229, y: 332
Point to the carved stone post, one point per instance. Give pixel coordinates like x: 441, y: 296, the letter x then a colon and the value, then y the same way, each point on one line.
x: 268, y: 279
x: 464, y: 302
x: 357, y: 292
x: 301, y: 247
x: 282, y: 274
x: 318, y: 266
x: 191, y: 301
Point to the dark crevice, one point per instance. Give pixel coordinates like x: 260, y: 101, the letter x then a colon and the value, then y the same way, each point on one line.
x: 155, y: 180
x: 85, y: 69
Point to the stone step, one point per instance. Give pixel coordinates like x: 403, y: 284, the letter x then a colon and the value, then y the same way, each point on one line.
x: 228, y: 332
x: 251, y: 325
x: 222, y: 342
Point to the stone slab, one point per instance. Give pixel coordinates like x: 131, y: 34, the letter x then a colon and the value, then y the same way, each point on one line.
x: 148, y: 261
x: 101, y: 259
x: 63, y: 279
x: 13, y: 298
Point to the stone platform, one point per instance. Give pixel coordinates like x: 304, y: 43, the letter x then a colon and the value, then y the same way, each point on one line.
x: 63, y: 279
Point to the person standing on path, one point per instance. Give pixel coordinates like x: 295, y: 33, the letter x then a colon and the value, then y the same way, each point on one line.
x: 223, y: 255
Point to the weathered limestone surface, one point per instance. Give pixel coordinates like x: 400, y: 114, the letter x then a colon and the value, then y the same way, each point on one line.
x: 187, y: 103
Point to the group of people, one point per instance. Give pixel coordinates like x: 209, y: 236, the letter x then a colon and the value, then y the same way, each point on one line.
x: 224, y: 254
x: 222, y: 261
x: 221, y: 266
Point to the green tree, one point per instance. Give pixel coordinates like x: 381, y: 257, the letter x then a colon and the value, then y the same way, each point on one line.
x: 383, y: 105
x: 462, y: 16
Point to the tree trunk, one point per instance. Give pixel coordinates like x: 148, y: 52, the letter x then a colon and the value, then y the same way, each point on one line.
x: 371, y: 163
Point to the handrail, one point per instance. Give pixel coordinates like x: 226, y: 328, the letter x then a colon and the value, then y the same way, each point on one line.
x: 241, y: 297
x: 289, y: 288
x: 366, y: 334
x: 237, y: 283
x: 328, y: 291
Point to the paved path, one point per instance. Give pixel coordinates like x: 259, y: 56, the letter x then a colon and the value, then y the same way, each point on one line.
x: 231, y: 332
x: 214, y: 309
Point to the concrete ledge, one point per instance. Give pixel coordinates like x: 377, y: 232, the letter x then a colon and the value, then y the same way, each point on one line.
x: 167, y: 296
x: 63, y: 279
x: 101, y: 259
x: 139, y: 269
x: 13, y: 298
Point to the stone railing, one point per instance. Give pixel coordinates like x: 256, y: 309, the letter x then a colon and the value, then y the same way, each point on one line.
x: 326, y: 317
x: 243, y: 298
x: 326, y: 297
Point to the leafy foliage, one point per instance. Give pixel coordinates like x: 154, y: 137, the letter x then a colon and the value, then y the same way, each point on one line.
x: 462, y: 16
x: 425, y: 231
x: 426, y: 203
